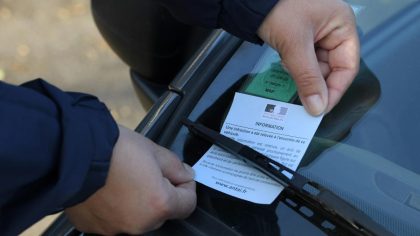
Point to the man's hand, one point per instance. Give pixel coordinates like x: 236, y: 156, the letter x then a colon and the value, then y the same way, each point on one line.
x: 316, y: 39
x: 146, y: 186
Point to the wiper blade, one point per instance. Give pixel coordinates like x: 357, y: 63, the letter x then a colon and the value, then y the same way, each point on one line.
x: 331, y: 213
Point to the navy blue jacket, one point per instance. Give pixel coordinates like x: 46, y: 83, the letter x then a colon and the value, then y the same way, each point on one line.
x: 54, y: 151
x: 55, y: 146
x: 239, y: 17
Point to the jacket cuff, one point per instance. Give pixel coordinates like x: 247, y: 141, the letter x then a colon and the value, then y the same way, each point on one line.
x: 88, y: 135
x: 242, y: 18
x: 104, y: 133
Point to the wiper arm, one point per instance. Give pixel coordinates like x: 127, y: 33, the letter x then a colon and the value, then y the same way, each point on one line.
x: 331, y: 213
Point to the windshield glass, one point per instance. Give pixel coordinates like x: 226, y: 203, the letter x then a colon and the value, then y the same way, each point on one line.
x: 365, y: 150
x: 371, y: 14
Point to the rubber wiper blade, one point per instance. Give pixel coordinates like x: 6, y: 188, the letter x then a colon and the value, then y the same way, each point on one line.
x: 331, y: 213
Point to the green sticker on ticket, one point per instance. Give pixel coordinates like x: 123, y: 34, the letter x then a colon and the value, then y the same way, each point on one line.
x: 270, y: 80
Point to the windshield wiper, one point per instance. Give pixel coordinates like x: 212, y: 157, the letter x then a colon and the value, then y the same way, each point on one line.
x: 330, y: 213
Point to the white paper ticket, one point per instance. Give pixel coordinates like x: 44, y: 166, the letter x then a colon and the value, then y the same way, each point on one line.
x: 281, y: 131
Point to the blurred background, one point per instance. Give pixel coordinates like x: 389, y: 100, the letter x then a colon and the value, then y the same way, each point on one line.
x: 58, y: 41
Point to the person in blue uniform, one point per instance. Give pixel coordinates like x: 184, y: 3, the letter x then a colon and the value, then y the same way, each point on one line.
x: 63, y: 151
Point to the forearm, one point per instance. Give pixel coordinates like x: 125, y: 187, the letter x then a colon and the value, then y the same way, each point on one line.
x: 239, y: 17
x: 55, y: 150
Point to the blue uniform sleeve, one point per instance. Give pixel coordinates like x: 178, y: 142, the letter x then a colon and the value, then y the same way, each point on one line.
x: 55, y: 150
x: 241, y: 18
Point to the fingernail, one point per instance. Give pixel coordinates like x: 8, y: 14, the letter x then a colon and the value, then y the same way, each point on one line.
x: 315, y: 104
x: 189, y: 170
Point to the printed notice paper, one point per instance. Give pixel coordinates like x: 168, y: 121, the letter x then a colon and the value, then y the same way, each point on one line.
x: 279, y: 130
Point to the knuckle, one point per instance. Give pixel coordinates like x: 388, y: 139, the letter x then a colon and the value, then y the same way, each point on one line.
x: 344, y: 9
x: 345, y: 15
x: 349, y: 10
x: 306, y: 81
x: 348, y: 13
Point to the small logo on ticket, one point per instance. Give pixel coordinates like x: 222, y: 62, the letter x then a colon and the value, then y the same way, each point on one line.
x: 274, y: 112
x: 270, y: 108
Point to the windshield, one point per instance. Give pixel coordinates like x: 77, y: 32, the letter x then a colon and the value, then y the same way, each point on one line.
x: 365, y: 150
x: 370, y: 14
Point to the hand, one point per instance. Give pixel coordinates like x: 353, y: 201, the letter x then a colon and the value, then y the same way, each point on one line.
x: 146, y: 186
x: 316, y: 39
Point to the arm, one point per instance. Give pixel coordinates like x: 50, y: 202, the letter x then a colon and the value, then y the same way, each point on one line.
x: 241, y: 18
x: 55, y: 154
x: 317, y: 39
x: 55, y: 150
x: 146, y: 186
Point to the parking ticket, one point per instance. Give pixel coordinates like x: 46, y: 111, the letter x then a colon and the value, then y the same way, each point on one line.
x: 281, y: 131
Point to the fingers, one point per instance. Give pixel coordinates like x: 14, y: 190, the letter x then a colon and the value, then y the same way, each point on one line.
x: 176, y: 196
x: 172, y: 168
x: 322, y: 56
x: 323, y: 66
x: 146, y: 186
x: 301, y: 62
x: 343, y: 59
x: 174, y: 202
x: 342, y: 71
x: 183, y: 200
x: 179, y: 184
x: 322, y: 75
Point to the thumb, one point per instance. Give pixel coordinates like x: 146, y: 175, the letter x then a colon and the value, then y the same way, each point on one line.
x: 300, y: 60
